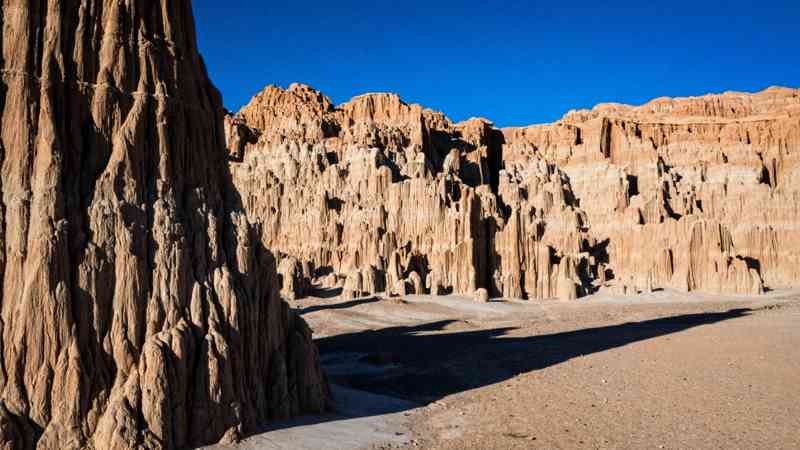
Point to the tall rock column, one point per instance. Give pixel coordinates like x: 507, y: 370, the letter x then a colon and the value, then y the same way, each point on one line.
x: 138, y: 309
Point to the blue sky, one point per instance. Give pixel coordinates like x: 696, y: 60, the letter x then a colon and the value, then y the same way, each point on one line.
x: 515, y: 63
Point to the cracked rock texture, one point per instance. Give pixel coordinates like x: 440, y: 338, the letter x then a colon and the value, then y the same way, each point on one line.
x: 139, y: 308
x: 699, y: 193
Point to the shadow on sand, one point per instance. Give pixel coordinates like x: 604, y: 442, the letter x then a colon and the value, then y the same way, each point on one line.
x: 345, y: 305
x: 412, y: 366
x: 423, y: 365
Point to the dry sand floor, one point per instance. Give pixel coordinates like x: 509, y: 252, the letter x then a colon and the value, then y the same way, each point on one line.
x: 662, y: 370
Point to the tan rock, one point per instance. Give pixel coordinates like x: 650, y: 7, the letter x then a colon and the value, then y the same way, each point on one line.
x: 400, y: 288
x: 567, y: 289
x: 139, y: 308
x: 353, y: 285
x: 373, y: 280
x: 482, y: 295
x: 415, y: 281
x: 533, y: 212
x: 293, y: 279
x: 433, y: 282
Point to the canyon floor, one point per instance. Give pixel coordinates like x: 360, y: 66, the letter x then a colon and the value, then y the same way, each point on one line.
x: 661, y: 370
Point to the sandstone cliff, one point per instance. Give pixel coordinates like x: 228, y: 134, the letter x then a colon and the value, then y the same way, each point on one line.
x: 691, y: 193
x: 138, y: 308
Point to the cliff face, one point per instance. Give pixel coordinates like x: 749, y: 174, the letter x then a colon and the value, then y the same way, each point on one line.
x: 693, y: 193
x: 138, y: 308
x: 709, y: 183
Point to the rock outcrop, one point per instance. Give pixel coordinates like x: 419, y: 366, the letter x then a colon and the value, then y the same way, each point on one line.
x: 138, y: 307
x: 692, y: 193
x: 294, y: 278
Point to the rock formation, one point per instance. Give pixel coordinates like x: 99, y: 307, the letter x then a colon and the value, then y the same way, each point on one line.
x: 698, y: 193
x: 138, y: 307
x: 482, y: 295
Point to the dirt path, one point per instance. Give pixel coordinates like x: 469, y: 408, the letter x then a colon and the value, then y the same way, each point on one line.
x: 664, y: 370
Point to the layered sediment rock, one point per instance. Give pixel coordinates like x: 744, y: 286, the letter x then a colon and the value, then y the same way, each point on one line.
x: 139, y: 308
x: 694, y: 193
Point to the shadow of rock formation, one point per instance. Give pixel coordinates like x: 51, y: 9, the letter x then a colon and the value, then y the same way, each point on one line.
x: 423, y: 363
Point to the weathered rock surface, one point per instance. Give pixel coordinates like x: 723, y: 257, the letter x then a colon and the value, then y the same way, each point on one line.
x: 138, y: 307
x: 698, y: 193
x: 294, y: 278
x: 482, y: 295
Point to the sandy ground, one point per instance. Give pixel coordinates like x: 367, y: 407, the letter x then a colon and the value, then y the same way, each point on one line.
x: 361, y: 420
x: 662, y: 370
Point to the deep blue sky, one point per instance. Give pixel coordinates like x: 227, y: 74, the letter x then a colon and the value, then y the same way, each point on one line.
x: 515, y: 63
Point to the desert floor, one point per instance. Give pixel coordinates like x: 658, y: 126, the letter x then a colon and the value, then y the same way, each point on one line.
x: 663, y: 370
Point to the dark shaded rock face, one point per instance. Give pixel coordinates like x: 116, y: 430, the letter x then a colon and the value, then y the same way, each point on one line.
x: 139, y: 310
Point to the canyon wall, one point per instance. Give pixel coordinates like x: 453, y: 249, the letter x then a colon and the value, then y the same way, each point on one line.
x: 696, y: 194
x: 138, y: 307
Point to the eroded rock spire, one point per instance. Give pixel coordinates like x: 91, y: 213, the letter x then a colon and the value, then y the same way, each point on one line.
x: 138, y: 310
